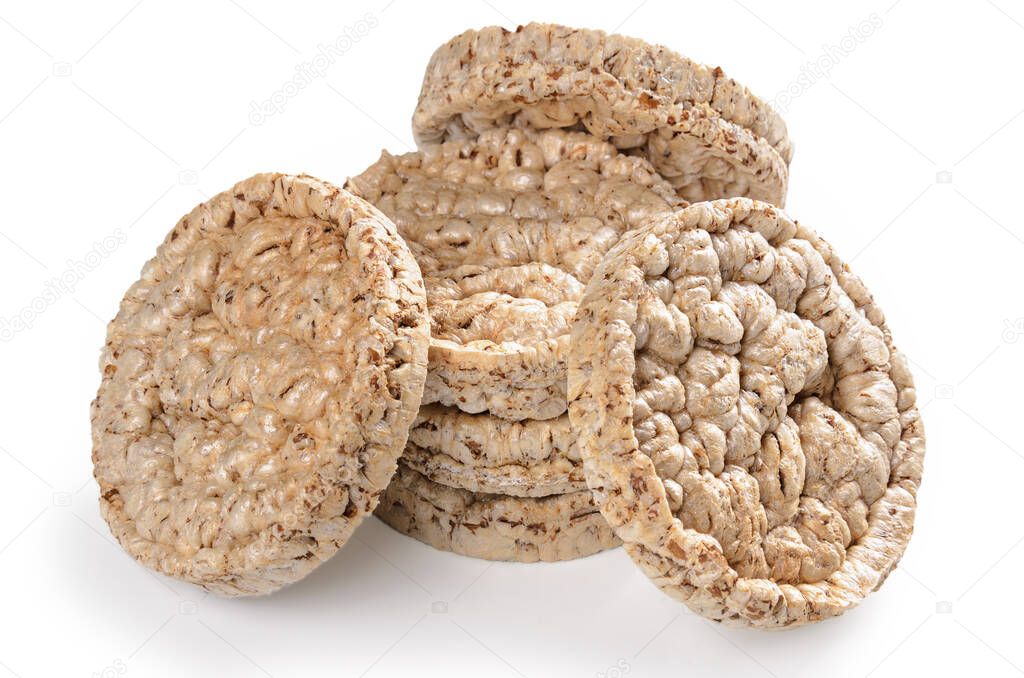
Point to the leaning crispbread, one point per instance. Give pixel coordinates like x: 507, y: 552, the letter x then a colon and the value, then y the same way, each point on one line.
x: 746, y: 424
x: 258, y: 385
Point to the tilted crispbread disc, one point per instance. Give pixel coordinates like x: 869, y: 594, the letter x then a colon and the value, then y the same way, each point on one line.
x: 259, y: 382
x: 745, y: 423
x: 494, y: 526
x: 507, y: 228
x: 704, y: 132
x: 483, y: 453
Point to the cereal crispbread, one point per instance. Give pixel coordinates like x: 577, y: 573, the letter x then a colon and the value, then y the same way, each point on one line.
x: 494, y: 526
x: 703, y: 131
x: 746, y: 424
x: 258, y: 384
x: 507, y: 228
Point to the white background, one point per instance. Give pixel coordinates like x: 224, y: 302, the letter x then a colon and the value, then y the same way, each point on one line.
x: 116, y: 118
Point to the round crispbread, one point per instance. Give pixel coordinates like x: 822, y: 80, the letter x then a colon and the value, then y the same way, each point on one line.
x: 483, y: 453
x: 507, y: 228
x: 703, y: 131
x: 494, y: 526
x: 258, y: 384
x: 746, y: 424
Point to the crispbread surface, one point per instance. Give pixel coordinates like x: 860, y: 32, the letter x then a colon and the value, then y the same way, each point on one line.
x: 258, y: 384
x: 494, y: 526
x: 703, y: 131
x: 745, y: 422
x: 483, y: 453
x: 507, y: 228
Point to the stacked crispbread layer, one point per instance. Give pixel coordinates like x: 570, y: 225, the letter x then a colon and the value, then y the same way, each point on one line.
x: 507, y: 228
x: 538, y: 149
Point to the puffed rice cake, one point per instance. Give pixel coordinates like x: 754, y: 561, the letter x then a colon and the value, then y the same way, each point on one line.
x: 746, y: 425
x: 487, y: 454
x: 507, y: 228
x: 494, y: 526
x: 258, y: 384
x: 703, y: 131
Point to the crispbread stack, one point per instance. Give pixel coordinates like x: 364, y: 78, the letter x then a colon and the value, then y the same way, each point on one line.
x: 703, y: 131
x: 507, y: 228
x: 533, y: 347
x: 538, y: 149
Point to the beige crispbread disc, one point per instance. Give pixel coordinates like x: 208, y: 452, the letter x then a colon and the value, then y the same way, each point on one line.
x: 482, y: 453
x: 259, y: 382
x: 703, y: 131
x: 745, y: 423
x: 507, y: 228
x: 494, y: 526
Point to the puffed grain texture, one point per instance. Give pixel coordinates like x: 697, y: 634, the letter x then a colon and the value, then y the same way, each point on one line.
x: 258, y: 384
x: 483, y: 453
x: 746, y: 424
x: 494, y: 526
x: 702, y: 130
x: 507, y: 228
